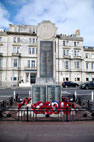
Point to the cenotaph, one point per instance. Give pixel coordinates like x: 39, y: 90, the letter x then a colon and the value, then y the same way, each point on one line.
x: 46, y: 88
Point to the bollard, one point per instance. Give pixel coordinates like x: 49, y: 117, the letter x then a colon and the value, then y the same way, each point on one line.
x: 75, y: 93
x: 92, y: 96
x: 27, y: 115
x: 73, y: 98
x: 29, y: 93
x: 11, y: 101
x: 66, y: 114
x: 89, y: 108
x: 14, y: 95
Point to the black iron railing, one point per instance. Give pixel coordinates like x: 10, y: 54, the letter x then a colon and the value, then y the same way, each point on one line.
x: 5, y: 104
x: 27, y: 114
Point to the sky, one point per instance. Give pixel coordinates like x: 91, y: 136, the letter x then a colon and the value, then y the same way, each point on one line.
x: 68, y: 15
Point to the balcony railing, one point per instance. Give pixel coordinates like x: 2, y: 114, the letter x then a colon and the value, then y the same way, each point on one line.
x: 66, y: 56
x: 16, y: 54
x: 89, y: 70
x: 30, y: 68
x: 77, y: 57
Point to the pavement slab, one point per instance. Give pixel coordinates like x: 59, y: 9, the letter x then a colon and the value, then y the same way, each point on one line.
x: 17, y: 131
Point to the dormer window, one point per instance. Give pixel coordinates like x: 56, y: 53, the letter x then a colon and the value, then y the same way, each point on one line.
x: 30, y: 30
x: 14, y: 39
x: 19, y: 29
x: 18, y: 39
x: 74, y: 43
x: 63, y: 43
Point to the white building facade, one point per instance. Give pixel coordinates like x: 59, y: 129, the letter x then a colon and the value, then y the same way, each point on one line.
x: 18, y: 57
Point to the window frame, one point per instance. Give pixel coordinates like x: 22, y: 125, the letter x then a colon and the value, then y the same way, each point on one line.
x: 32, y: 63
x: 64, y: 43
x: 33, y: 50
x: 66, y: 64
x: 14, y: 39
x: 15, y: 63
x: 75, y: 44
x: 29, y: 50
x: 87, y: 65
x: 28, y: 63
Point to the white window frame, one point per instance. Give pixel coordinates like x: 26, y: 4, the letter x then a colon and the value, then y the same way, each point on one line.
x: 33, y: 50
x: 64, y: 44
x: 66, y: 64
x: 30, y: 30
x: 28, y: 63
x: 77, y: 64
x: 18, y: 39
x: 33, y: 40
x: 29, y: 50
x: 15, y: 63
x: 92, y: 65
x: 14, y: 39
x: 32, y: 63
x: 27, y: 77
x: 16, y: 49
x: 14, y: 77
x: 30, y: 40
x: 87, y: 65
x: 76, y: 53
x: 66, y: 52
x: 75, y: 44
x: 87, y: 55
x: 19, y: 29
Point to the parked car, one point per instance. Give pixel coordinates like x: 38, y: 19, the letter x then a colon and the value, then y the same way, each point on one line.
x: 69, y: 84
x: 87, y: 85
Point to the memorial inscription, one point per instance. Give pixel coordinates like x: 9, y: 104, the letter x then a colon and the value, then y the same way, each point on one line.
x: 57, y: 93
x: 43, y: 93
x: 38, y: 93
x: 50, y: 93
x: 53, y: 93
x: 46, y: 59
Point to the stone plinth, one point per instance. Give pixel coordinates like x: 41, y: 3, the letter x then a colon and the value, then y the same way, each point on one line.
x: 46, y: 93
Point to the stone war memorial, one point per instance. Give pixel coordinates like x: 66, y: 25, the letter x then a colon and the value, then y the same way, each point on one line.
x: 46, y: 88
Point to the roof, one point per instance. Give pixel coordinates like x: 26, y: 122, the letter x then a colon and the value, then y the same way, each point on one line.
x: 88, y: 48
x: 70, y: 37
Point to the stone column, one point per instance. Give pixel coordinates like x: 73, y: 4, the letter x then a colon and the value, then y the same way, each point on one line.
x: 46, y: 32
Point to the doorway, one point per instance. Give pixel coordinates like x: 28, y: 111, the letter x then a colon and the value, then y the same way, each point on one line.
x: 32, y: 78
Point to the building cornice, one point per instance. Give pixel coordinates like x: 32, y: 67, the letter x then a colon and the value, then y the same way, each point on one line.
x: 21, y: 33
x: 65, y: 37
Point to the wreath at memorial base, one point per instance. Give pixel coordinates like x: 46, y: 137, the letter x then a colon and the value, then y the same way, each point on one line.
x: 55, y: 107
x: 36, y: 107
x: 52, y: 108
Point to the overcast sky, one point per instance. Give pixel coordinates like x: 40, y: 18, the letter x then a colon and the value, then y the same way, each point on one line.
x: 68, y: 15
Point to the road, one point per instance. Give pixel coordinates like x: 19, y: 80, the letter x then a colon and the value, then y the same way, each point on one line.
x: 47, y: 131
x: 84, y: 94
x: 24, y: 92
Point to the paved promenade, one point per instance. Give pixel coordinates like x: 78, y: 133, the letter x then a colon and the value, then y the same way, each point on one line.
x: 47, y: 131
